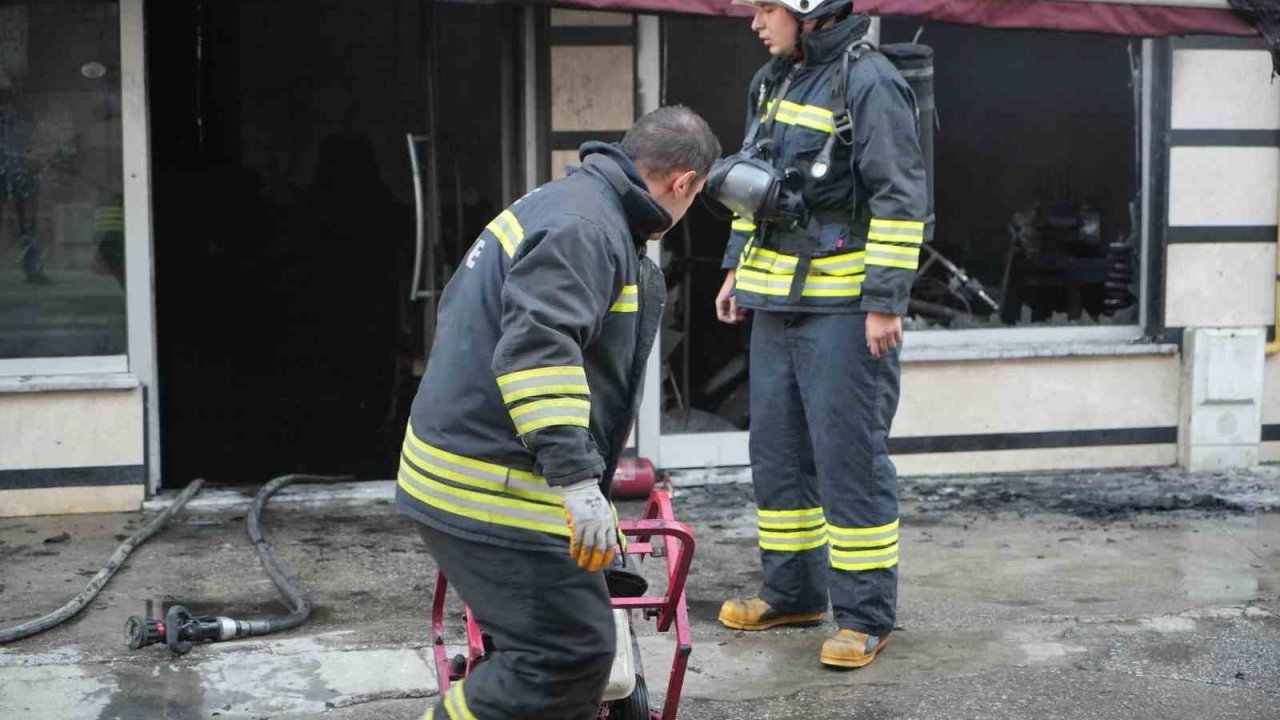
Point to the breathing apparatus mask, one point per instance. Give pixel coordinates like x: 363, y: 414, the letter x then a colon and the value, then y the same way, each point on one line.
x: 748, y: 182
x: 749, y: 185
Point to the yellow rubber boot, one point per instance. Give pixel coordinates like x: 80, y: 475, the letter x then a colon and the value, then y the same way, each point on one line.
x: 852, y: 649
x: 755, y: 614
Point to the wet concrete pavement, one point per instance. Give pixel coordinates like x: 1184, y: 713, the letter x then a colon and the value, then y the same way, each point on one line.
x: 1099, y: 595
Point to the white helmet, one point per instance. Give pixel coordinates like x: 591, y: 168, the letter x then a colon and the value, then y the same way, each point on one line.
x: 804, y: 9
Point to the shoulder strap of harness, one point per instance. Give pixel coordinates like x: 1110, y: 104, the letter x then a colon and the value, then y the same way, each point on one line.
x: 843, y: 118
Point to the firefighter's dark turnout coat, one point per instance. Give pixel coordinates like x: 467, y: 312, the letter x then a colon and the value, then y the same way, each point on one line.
x: 869, y: 209
x: 821, y: 404
x: 534, y: 377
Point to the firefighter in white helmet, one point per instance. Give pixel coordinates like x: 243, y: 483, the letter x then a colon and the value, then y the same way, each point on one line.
x: 828, y: 293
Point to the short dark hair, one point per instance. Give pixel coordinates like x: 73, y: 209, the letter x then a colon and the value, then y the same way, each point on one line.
x: 672, y: 138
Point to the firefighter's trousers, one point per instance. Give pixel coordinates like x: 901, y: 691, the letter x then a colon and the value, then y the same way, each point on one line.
x: 551, y: 626
x: 826, y: 490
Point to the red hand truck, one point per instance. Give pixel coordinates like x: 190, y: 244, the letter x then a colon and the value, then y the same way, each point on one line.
x: 655, y: 534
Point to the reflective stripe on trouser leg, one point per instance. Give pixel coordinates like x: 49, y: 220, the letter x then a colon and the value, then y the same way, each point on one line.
x: 850, y: 404
x: 791, y: 523
x: 551, y: 626
x: 452, y: 705
x: 455, y: 702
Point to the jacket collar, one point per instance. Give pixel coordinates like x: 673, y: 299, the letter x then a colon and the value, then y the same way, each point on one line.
x: 607, y: 162
x: 826, y: 44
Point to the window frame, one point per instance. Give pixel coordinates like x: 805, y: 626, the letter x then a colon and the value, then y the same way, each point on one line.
x: 136, y: 368
x: 1147, y: 336
x: 135, y: 170
x: 1066, y: 336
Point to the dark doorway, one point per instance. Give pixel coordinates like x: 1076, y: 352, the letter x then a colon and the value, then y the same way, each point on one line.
x: 284, y: 220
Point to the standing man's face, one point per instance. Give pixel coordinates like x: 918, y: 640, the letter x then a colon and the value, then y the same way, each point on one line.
x: 777, y: 28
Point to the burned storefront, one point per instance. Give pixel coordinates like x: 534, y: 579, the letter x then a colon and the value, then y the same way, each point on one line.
x: 247, y: 212
x: 1049, y: 319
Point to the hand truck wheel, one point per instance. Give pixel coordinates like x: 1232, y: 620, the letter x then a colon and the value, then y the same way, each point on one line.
x: 634, y: 706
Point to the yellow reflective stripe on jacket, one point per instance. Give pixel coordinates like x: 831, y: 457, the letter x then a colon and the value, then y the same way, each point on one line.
x: 741, y: 225
x: 508, y: 231
x: 431, y: 713
x: 628, y: 300
x: 907, y: 258
x: 849, y: 263
x: 455, y: 703
x: 856, y: 560
x: 900, y: 239
x: 815, y: 285
x: 878, y: 249
x: 769, y: 261
x: 895, y: 243
x: 547, y: 413
x: 554, y: 380
x: 483, y: 507
x: 479, y: 466
x: 886, y: 224
x: 813, y: 117
x: 478, y: 474
x: 906, y: 232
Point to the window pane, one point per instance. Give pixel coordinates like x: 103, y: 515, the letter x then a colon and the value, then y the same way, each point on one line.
x: 1036, y: 175
x: 61, y: 198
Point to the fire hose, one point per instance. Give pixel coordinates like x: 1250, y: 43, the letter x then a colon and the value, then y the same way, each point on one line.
x: 179, y: 629
x: 91, y: 590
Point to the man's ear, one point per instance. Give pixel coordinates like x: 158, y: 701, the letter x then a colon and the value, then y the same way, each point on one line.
x: 685, y: 182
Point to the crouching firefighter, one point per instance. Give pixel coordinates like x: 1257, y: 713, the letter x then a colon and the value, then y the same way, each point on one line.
x: 528, y: 398
x: 830, y: 197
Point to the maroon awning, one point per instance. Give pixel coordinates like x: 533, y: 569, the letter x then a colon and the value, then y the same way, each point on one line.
x: 1114, y: 18
x: 1102, y: 17
x: 685, y: 7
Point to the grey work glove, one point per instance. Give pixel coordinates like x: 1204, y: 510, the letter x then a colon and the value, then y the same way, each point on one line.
x: 593, y: 530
